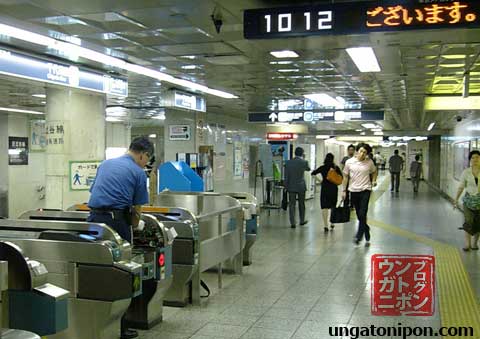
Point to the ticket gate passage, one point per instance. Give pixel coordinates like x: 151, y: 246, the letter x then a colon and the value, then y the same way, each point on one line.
x: 214, y: 224
x: 152, y: 248
x: 89, y: 260
x: 251, y: 216
x: 28, y: 303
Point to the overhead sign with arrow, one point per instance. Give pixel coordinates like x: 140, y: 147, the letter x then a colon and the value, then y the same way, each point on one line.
x: 313, y: 116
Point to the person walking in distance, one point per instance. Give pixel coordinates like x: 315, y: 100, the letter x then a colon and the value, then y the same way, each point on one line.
x: 416, y: 173
x: 329, y: 190
x: 360, y: 175
x: 395, y: 165
x: 350, y: 154
x: 295, y: 185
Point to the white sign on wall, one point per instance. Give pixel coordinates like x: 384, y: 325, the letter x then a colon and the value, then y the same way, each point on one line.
x: 38, y: 138
x: 82, y: 174
x: 179, y: 132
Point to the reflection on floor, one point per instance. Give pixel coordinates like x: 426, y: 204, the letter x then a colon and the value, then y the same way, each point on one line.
x: 302, y: 281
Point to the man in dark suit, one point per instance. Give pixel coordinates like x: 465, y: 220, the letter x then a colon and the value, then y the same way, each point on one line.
x: 295, y: 185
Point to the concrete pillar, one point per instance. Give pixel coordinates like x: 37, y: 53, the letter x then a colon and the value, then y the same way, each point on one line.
x: 81, y: 115
x: 3, y: 165
x: 434, y: 161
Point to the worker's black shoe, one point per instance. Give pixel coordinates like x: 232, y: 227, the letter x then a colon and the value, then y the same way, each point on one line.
x: 129, y: 334
x: 293, y: 226
x: 304, y: 222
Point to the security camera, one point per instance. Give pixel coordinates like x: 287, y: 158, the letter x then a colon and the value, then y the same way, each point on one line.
x: 459, y: 118
x: 217, y: 19
x: 218, y: 23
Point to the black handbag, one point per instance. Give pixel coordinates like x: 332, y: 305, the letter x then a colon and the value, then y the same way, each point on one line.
x: 340, y: 214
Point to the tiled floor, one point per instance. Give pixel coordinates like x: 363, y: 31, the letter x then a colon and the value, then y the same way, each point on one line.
x: 302, y: 281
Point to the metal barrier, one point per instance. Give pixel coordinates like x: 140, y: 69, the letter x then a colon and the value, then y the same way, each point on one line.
x: 90, y: 261
x: 221, y: 234
x: 28, y: 304
x: 152, y: 248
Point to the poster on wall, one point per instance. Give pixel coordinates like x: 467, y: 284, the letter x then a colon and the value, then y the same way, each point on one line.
x: 237, y: 159
x: 460, y: 158
x: 82, y: 174
x: 55, y: 132
x: 38, y: 137
x: 17, y: 151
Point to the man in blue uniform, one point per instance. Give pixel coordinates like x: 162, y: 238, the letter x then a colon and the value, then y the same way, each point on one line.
x: 118, y: 193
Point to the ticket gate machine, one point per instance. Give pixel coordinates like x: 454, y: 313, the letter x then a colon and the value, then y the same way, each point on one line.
x: 89, y: 260
x: 152, y: 248
x: 27, y: 302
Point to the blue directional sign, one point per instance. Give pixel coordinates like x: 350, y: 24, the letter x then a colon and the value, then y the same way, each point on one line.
x: 18, y: 65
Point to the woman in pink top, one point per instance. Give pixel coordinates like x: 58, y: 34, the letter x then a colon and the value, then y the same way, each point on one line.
x: 360, y: 175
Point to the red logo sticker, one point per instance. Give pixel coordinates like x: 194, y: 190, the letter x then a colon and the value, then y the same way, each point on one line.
x: 403, y: 285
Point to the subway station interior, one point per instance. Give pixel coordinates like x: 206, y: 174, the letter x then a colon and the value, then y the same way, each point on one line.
x: 217, y: 112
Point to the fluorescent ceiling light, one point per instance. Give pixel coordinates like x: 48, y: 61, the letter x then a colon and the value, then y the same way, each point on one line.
x: 43, y: 96
x: 369, y: 126
x: 376, y: 130
x: 430, y: 127
x: 15, y: 110
x: 339, y: 116
x: 159, y: 117
x: 322, y: 137
x: 113, y: 119
x: 189, y: 67
x: 324, y: 99
x: 281, y: 62
x: 288, y: 70
x: 364, y: 58
x: 377, y: 133
x: 284, y: 54
x: 76, y: 51
x: 152, y: 136
x: 363, y: 138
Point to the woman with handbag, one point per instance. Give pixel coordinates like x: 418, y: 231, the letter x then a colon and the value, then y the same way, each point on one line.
x: 471, y: 201
x: 331, y: 178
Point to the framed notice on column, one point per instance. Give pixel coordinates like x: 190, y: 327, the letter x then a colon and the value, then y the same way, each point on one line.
x: 82, y: 174
x: 17, y: 151
x: 38, y: 137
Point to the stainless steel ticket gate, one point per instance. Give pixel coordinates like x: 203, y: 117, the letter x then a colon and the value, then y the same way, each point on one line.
x: 89, y: 260
x: 214, y: 224
x: 28, y: 303
x: 152, y: 248
x: 251, y: 211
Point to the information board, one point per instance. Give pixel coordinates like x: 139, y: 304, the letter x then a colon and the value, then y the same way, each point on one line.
x: 360, y: 18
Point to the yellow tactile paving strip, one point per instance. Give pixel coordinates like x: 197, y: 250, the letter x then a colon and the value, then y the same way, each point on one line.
x: 458, y: 302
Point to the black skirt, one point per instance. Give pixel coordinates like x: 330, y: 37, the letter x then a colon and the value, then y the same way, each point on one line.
x: 329, y: 191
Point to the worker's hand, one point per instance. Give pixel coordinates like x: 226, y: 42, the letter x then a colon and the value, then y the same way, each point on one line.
x: 141, y: 225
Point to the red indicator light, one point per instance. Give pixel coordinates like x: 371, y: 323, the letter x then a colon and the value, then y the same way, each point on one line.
x: 161, y: 259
